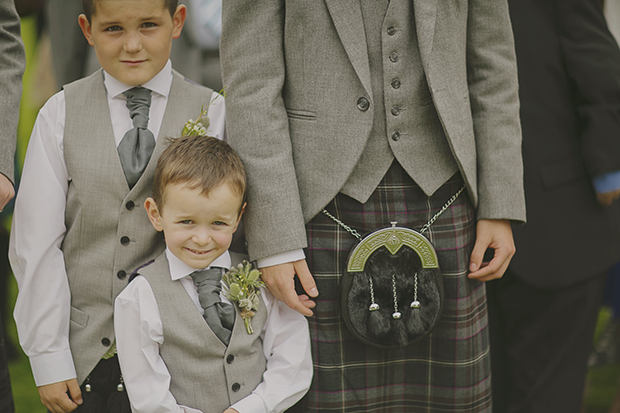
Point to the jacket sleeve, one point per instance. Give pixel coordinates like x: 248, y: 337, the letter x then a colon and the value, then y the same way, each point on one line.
x: 253, y: 67
x: 12, y: 65
x: 592, y: 61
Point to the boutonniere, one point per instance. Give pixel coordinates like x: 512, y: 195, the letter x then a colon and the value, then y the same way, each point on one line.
x: 242, y: 284
x: 201, y: 125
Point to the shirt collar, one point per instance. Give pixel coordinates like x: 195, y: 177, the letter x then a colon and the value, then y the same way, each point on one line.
x: 178, y: 269
x: 159, y: 84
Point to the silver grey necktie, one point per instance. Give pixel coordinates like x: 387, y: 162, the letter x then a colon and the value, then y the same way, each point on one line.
x: 138, y: 144
x: 219, y: 315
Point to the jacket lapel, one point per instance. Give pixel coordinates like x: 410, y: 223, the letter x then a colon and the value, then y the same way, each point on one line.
x: 347, y: 17
x: 425, y: 17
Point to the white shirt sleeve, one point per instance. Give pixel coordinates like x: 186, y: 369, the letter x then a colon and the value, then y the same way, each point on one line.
x: 286, y: 345
x: 217, y: 116
x: 139, y: 333
x: 43, y: 304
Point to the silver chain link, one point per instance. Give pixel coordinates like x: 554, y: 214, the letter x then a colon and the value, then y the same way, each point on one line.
x: 424, y: 228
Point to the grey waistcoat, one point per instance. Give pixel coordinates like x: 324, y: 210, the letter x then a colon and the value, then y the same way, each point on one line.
x: 108, y: 232
x: 405, y: 122
x: 205, y: 374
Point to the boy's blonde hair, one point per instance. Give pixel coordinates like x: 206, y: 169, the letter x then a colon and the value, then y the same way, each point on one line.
x: 200, y: 162
x: 89, y: 7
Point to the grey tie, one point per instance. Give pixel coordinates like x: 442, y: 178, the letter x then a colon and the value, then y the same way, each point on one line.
x: 138, y: 144
x: 219, y: 315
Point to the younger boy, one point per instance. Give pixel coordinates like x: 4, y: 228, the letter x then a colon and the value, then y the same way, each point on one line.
x: 172, y: 359
x: 77, y: 232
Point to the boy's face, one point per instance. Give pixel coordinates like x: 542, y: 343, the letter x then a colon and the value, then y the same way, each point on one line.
x: 197, y: 228
x: 132, y: 38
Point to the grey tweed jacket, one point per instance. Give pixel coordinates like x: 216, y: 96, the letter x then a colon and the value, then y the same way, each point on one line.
x: 308, y: 60
x: 12, y: 65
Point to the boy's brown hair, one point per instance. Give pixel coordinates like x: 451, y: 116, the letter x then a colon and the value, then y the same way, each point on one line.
x: 200, y: 162
x: 89, y: 7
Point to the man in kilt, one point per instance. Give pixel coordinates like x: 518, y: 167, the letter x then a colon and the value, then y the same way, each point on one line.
x: 378, y: 111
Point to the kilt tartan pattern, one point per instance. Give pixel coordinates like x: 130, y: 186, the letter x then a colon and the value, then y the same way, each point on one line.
x: 449, y: 371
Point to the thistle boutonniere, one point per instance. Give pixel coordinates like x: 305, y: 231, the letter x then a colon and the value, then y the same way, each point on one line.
x: 242, y: 284
x: 201, y: 125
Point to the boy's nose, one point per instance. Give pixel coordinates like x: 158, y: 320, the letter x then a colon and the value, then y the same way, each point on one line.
x: 133, y: 43
x: 201, y: 238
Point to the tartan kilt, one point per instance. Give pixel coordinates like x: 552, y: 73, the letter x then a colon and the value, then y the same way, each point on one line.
x: 449, y: 371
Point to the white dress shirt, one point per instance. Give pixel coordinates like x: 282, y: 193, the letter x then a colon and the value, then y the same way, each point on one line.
x: 139, y: 333
x: 38, y: 229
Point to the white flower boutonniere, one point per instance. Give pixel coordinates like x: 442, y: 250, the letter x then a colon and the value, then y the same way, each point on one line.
x: 201, y: 125
x: 242, y: 283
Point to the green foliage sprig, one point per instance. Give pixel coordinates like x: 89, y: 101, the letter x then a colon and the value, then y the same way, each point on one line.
x: 242, y: 288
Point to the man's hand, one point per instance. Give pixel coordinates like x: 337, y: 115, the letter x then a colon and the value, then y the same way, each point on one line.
x: 606, y: 198
x: 230, y: 410
x: 54, y: 396
x: 6, y: 191
x: 281, y: 282
x: 495, y: 234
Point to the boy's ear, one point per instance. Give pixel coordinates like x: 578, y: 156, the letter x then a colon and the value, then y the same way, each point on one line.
x: 153, y: 212
x: 240, y: 215
x: 178, y: 20
x: 86, y: 28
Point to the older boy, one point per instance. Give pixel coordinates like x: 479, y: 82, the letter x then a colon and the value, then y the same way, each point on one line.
x: 172, y: 360
x: 76, y: 232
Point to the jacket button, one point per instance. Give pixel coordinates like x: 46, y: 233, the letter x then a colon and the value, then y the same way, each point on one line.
x: 130, y: 205
x: 395, y: 136
x: 125, y: 240
x: 396, y: 83
x: 236, y: 387
x: 391, y: 30
x: 393, y: 57
x: 121, y: 275
x: 230, y: 358
x: 395, y: 110
x: 106, y: 341
x: 363, y: 104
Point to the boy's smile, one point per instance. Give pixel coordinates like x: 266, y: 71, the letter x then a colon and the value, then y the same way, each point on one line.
x: 198, y: 228
x: 132, y: 38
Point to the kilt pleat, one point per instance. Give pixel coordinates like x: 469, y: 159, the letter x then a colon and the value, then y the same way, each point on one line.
x: 449, y: 371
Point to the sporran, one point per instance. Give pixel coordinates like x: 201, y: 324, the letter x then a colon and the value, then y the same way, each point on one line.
x: 391, y: 292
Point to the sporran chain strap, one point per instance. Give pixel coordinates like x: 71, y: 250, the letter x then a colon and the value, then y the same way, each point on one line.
x: 415, y: 304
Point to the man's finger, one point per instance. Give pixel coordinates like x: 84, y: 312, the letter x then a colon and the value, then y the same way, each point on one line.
x: 306, y: 278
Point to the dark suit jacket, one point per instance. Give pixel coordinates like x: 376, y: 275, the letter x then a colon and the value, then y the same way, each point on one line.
x: 569, y: 74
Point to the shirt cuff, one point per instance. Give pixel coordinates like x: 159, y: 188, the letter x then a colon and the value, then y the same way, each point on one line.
x: 283, y: 258
x: 52, y: 368
x: 250, y: 404
x: 608, y: 182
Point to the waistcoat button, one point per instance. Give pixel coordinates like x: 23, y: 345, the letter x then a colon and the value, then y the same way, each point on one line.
x: 393, y: 57
x: 391, y: 31
x: 130, y: 205
x: 236, y: 387
x: 125, y: 240
x: 363, y: 104
x: 396, y: 136
x: 230, y: 358
x: 121, y: 275
x: 396, y: 83
x: 395, y: 110
x: 106, y: 341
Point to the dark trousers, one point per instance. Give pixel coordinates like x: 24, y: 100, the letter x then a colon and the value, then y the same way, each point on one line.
x: 540, y: 343
x: 6, y: 397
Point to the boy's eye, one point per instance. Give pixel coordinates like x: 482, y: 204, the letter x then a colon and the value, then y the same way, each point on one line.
x: 186, y: 221
x: 149, y: 24
x: 219, y: 223
x: 113, y: 29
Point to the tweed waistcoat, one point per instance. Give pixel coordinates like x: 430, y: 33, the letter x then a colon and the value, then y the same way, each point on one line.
x: 108, y: 232
x: 205, y: 374
x: 405, y: 122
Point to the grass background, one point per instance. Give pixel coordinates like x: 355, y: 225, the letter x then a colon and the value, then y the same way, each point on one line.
x: 602, y: 383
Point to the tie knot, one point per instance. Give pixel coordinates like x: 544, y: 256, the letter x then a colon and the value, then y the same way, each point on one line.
x: 138, y: 103
x: 211, y: 276
x: 208, y: 285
